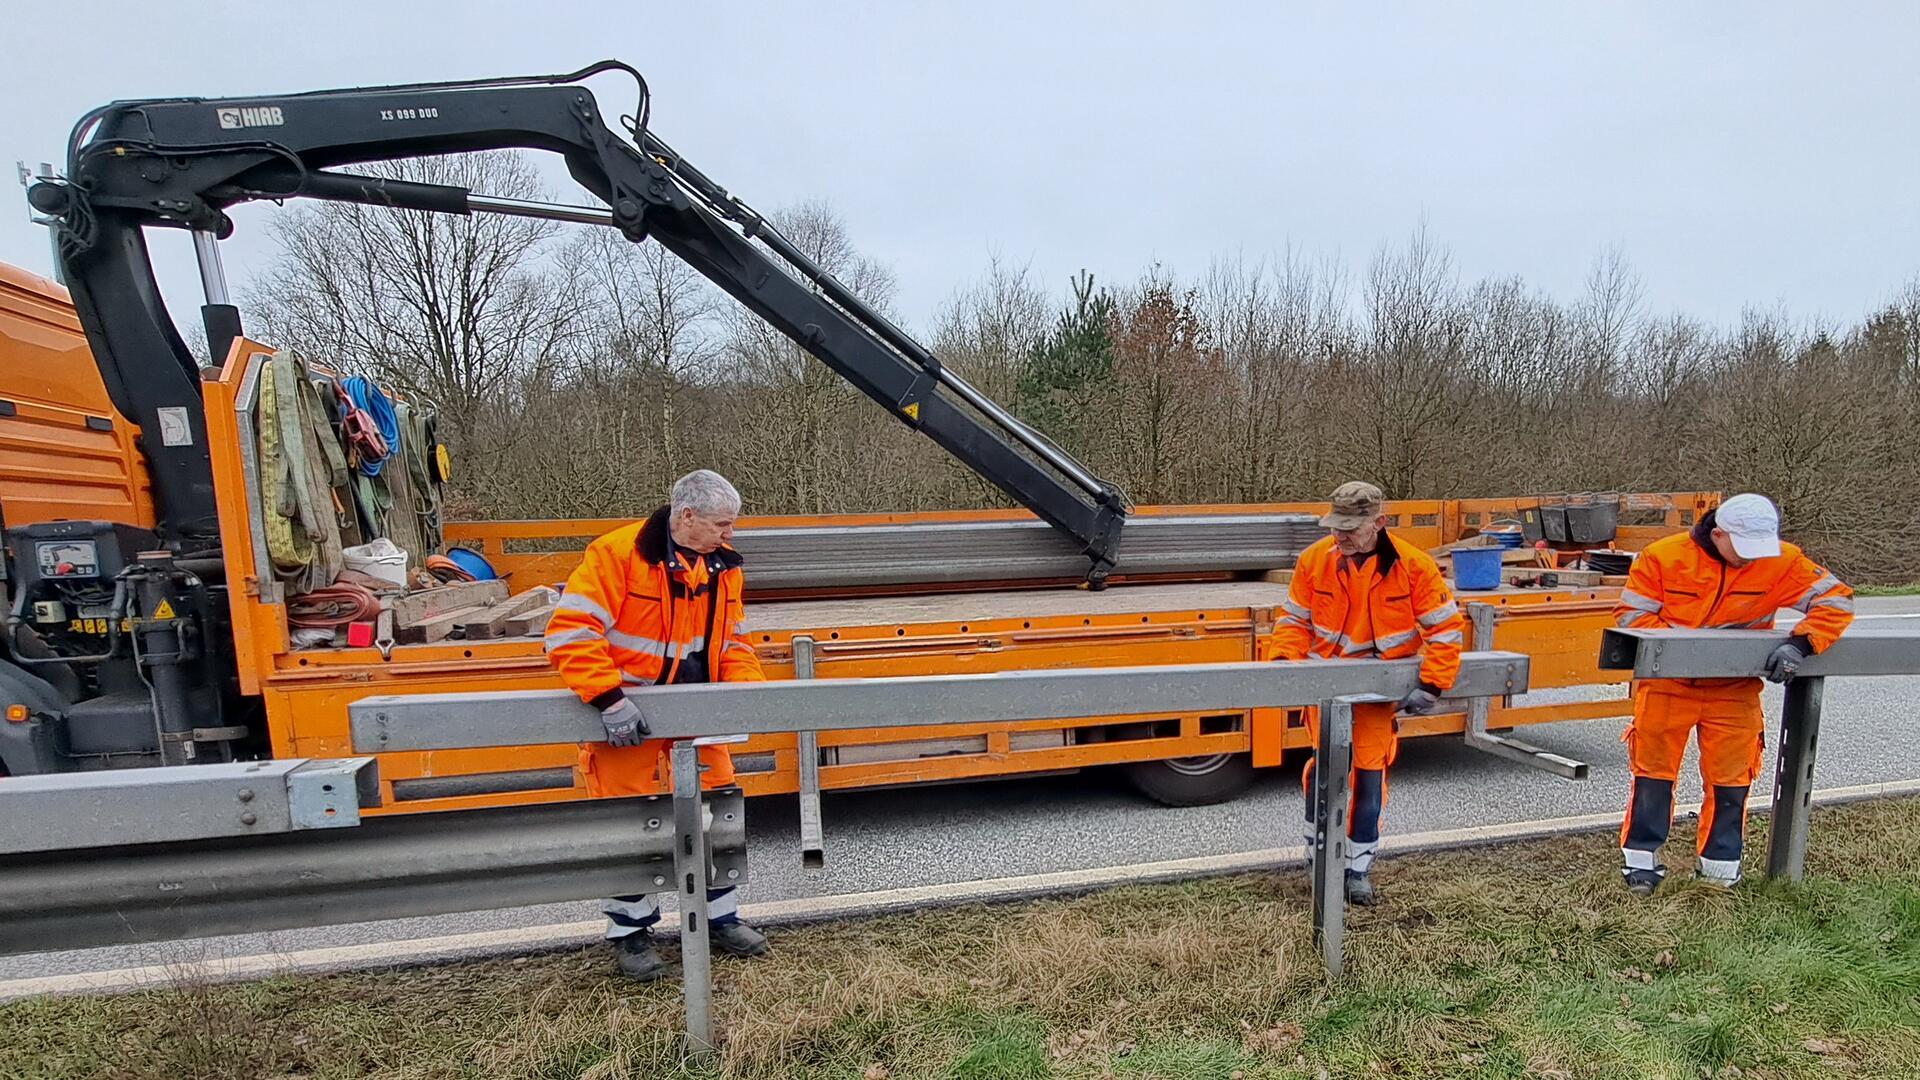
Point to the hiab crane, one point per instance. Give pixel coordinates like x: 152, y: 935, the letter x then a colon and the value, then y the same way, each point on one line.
x: 183, y: 162
x: 150, y: 622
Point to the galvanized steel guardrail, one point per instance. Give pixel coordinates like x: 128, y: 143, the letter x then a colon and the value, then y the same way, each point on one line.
x: 688, y: 713
x: 202, y: 868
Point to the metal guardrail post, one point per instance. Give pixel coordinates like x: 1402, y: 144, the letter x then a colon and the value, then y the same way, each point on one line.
x: 1332, y: 766
x: 1479, y: 710
x: 1793, y: 779
x: 690, y: 871
x: 813, y: 849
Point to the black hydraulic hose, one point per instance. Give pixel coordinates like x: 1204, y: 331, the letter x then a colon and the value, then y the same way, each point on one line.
x: 116, y: 612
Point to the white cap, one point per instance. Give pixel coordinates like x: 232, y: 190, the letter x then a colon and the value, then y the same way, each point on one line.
x: 1753, y: 525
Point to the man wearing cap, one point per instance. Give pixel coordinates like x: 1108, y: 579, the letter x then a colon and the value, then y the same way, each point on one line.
x: 1730, y: 572
x: 1363, y: 593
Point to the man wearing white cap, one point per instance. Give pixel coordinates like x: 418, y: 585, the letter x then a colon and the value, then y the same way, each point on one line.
x: 1730, y: 572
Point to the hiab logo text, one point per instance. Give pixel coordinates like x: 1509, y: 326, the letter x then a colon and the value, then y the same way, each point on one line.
x: 254, y: 116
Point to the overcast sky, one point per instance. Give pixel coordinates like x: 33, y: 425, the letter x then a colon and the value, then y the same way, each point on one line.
x: 1736, y: 154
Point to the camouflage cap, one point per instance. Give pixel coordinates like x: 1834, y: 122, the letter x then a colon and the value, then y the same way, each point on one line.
x: 1355, y: 503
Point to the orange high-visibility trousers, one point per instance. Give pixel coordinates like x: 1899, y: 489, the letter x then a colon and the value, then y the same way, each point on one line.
x: 1375, y: 745
x: 646, y: 769
x: 1731, y: 735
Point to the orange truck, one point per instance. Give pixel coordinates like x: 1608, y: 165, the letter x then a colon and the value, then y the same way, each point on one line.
x: 151, y: 563
x: 67, y: 455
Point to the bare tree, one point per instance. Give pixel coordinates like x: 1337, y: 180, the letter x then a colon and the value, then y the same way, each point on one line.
x: 454, y: 309
x: 817, y: 440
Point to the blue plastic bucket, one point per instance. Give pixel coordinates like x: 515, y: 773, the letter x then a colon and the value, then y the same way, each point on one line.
x: 1476, y: 568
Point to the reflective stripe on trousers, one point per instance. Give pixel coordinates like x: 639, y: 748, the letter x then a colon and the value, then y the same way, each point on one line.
x: 628, y: 914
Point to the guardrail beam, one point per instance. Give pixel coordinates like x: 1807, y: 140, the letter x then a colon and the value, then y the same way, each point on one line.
x: 168, y: 803
x: 1734, y: 654
x: 389, y: 868
x: 531, y: 717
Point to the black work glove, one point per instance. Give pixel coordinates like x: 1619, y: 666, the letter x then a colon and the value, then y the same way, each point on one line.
x: 626, y: 725
x: 1784, y: 662
x: 1419, y: 701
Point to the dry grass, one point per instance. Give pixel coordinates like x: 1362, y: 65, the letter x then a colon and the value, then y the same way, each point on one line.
x: 1521, y: 961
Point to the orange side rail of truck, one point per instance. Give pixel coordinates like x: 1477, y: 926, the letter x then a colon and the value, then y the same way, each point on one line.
x: 1184, y: 758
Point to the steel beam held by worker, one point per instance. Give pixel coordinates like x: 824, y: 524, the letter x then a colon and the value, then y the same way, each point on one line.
x: 1730, y: 572
x: 1364, y: 593
x: 657, y: 603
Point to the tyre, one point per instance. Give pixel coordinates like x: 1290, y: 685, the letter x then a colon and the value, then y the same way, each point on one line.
x: 1192, y: 781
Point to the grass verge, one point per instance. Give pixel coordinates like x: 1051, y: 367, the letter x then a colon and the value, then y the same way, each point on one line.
x: 1527, y: 960
x: 1889, y: 590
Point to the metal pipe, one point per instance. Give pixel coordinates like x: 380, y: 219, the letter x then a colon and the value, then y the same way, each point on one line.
x: 581, y: 215
x: 213, y: 274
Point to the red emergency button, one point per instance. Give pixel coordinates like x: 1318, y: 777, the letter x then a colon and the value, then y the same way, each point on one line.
x: 63, y: 568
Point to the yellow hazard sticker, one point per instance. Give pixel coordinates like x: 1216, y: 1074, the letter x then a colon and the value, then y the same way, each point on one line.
x: 912, y: 411
x: 164, y: 611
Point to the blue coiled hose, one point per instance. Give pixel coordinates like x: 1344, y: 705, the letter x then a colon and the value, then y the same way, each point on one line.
x: 369, y: 397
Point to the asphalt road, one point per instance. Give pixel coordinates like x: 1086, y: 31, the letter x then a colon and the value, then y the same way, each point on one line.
x: 971, y: 832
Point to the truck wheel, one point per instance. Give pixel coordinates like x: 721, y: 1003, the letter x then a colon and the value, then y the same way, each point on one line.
x: 1192, y: 781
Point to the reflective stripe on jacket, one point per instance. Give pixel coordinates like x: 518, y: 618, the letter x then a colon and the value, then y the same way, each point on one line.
x: 1681, y: 580
x: 626, y: 618
x: 1408, y: 609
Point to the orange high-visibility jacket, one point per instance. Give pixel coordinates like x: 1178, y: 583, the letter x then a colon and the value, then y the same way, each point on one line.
x: 626, y: 618
x: 1394, y: 603
x: 1681, y: 580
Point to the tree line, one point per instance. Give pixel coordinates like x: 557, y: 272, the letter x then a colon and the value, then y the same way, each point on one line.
x: 577, y: 374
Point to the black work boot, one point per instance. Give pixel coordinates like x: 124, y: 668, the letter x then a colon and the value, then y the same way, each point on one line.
x: 639, y: 960
x: 1642, y: 883
x: 1360, y: 888
x: 736, y: 938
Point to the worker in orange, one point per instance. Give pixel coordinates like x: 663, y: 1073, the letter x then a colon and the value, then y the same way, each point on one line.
x: 656, y: 603
x: 1730, y: 572
x: 1364, y: 593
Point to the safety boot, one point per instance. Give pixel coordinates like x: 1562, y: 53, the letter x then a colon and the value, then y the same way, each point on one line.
x: 736, y: 938
x: 1360, y: 888
x: 1642, y: 883
x: 637, y: 957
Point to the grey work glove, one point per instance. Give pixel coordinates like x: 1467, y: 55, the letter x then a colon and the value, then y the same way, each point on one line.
x: 1418, y: 701
x: 626, y: 725
x: 1784, y: 662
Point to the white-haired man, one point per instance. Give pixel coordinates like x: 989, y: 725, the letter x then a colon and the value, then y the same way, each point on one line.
x: 655, y: 603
